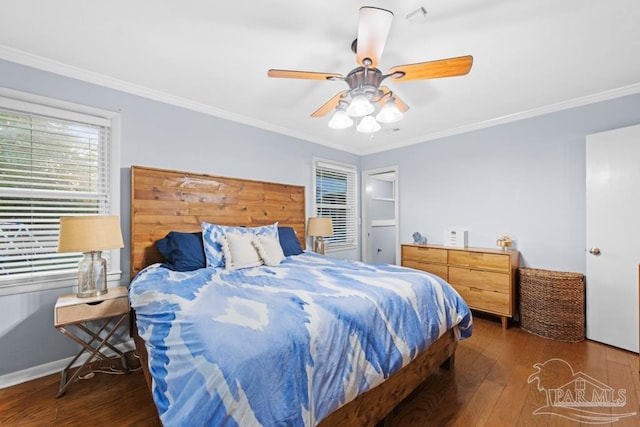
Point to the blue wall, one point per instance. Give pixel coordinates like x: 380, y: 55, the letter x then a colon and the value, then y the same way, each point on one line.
x: 153, y: 134
x: 526, y: 179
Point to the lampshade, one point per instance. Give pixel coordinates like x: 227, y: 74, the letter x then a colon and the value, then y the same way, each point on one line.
x: 368, y: 125
x: 389, y: 113
x: 340, y: 120
x: 320, y: 226
x: 89, y: 233
x: 360, y: 106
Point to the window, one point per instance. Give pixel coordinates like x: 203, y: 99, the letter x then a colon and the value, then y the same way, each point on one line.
x: 335, y: 196
x: 53, y: 162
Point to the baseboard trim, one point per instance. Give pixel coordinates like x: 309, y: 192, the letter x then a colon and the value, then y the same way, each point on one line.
x: 57, y: 366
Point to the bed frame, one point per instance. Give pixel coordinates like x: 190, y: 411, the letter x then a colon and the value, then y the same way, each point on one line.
x: 166, y: 200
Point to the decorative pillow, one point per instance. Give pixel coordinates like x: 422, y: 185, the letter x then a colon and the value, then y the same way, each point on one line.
x: 269, y: 249
x: 289, y: 241
x: 211, y: 234
x: 239, y: 251
x: 182, y: 251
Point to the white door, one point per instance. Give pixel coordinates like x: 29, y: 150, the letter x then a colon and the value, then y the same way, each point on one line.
x: 380, y: 216
x: 613, y: 236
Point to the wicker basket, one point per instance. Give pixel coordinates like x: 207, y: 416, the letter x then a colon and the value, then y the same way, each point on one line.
x: 552, y: 304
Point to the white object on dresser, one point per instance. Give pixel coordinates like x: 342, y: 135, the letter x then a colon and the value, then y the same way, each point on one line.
x: 455, y: 238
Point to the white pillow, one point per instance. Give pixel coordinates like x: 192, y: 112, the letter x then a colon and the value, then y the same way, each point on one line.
x: 269, y: 249
x: 238, y: 251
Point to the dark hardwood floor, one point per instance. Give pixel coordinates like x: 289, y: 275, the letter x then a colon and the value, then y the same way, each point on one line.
x: 488, y: 387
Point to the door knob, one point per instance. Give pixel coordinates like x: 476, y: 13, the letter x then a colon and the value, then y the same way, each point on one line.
x: 594, y: 251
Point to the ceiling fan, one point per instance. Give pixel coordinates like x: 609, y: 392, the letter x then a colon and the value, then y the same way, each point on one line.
x: 365, y: 93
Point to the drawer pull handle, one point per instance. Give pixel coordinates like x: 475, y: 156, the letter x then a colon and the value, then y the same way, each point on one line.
x: 95, y: 302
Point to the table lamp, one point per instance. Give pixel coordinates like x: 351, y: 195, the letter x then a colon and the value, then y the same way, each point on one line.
x: 319, y: 228
x: 90, y: 235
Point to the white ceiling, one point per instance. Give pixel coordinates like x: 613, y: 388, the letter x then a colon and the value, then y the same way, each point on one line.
x: 530, y: 57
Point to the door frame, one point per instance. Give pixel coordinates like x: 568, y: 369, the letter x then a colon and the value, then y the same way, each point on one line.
x: 366, y: 211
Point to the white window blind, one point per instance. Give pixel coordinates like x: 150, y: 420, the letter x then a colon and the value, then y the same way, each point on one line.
x: 53, y: 163
x: 335, y: 196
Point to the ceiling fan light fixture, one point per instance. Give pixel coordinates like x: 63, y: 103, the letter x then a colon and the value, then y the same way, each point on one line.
x: 340, y: 120
x: 365, y: 96
x: 360, y: 106
x: 368, y: 125
x: 389, y: 113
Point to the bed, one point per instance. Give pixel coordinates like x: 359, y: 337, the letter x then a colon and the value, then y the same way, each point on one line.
x: 307, y: 340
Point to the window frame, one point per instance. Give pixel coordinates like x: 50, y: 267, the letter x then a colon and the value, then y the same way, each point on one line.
x: 349, y: 168
x: 13, y: 99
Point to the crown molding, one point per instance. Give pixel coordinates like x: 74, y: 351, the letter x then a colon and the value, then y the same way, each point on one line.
x: 552, y: 108
x: 46, y: 64
x: 66, y: 70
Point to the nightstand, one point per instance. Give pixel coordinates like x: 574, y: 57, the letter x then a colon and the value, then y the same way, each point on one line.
x: 109, y: 311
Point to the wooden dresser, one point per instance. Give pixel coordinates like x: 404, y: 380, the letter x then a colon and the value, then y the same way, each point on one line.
x: 485, y: 278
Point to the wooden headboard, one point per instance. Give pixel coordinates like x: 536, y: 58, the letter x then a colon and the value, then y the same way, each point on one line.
x: 165, y: 200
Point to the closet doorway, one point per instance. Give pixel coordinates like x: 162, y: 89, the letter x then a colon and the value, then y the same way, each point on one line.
x: 380, y: 230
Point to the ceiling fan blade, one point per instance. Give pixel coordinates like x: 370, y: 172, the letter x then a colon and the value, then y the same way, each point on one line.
x: 373, y: 28
x: 434, y: 69
x: 329, y: 105
x: 402, y: 106
x: 288, y: 74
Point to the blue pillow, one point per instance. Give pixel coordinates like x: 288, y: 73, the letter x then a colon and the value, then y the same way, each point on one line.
x: 182, y: 251
x: 211, y: 233
x: 289, y: 241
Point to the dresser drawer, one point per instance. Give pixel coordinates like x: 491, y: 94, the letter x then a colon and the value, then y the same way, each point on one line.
x: 487, y: 280
x: 480, y: 260
x: 483, y: 300
x: 424, y: 253
x: 437, y: 269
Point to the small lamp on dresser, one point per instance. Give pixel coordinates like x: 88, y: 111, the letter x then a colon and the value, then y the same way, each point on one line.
x: 90, y: 235
x: 319, y: 228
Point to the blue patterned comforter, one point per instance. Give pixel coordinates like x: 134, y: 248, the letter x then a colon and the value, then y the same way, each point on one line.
x: 284, y: 345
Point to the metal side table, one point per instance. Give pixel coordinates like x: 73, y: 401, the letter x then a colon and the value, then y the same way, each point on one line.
x: 107, y: 312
